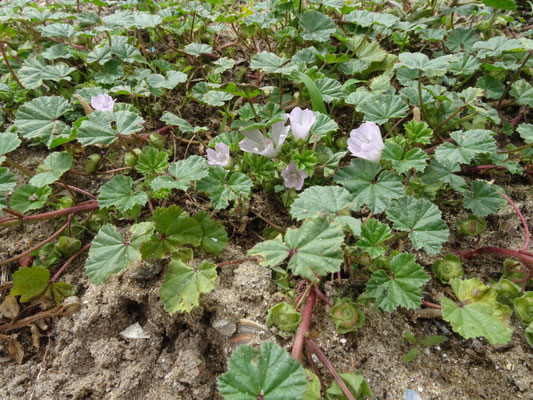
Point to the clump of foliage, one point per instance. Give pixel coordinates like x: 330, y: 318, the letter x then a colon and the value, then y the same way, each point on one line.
x: 366, y: 121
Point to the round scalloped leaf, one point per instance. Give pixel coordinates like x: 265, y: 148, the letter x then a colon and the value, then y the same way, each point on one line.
x: 422, y: 219
x: 184, y: 285
x: 39, y: 118
x: 9, y: 141
x: 269, y: 374
x: 326, y: 199
x: 478, y: 313
x: 119, y: 192
x: 29, y: 197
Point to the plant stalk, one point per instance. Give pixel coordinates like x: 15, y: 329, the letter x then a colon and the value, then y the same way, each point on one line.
x: 304, y: 326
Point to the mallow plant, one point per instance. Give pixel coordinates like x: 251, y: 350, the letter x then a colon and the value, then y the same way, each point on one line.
x: 364, y: 127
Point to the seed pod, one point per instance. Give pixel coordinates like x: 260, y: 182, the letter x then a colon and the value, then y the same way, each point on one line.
x: 448, y: 268
x: 284, y: 316
x: 156, y: 140
x: 92, y: 163
x: 472, y: 226
x: 506, y: 291
x: 529, y: 335
x: 67, y: 245
x: 130, y: 160
x: 346, y: 315
x: 65, y: 202
x: 523, y: 308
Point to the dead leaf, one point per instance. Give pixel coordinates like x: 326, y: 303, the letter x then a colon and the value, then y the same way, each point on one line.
x: 16, y: 350
x: 10, y: 308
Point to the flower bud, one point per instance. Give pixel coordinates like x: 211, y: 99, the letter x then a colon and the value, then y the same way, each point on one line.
x: 92, y: 162
x: 67, y: 245
x: 284, y: 316
x: 346, y: 315
x: 472, y: 226
x: 523, y: 308
x: 506, y: 291
x: 448, y: 268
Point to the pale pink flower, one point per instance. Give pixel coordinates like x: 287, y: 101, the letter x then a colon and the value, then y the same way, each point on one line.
x: 301, y: 123
x: 293, y: 177
x: 102, y: 102
x: 257, y: 143
x: 219, y: 156
x: 366, y: 142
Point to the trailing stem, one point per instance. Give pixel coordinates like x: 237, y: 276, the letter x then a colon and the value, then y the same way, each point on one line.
x: 304, y: 326
x: 68, y: 262
x: 313, y: 348
x: 25, y: 253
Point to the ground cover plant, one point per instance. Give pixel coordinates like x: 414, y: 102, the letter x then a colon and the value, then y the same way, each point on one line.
x: 166, y: 126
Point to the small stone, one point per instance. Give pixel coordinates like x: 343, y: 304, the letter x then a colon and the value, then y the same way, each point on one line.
x: 224, y: 327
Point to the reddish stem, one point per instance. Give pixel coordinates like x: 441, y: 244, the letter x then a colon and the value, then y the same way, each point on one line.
x: 317, y: 351
x: 350, y: 270
x: 15, y: 258
x: 82, y: 207
x: 322, y: 297
x: 524, y: 256
x: 68, y: 262
x: 304, y: 326
x: 431, y: 305
x: 226, y: 263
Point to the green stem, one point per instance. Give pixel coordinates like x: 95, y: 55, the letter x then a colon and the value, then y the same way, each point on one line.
x: 9, y: 65
x: 421, y: 99
x: 511, y: 81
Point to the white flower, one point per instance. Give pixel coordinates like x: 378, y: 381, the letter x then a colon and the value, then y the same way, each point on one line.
x: 102, y: 102
x: 256, y: 143
x: 219, y: 156
x: 366, y: 142
x: 293, y: 177
x: 301, y: 123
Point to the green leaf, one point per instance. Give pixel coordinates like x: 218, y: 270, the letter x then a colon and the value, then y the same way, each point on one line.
x: 215, y: 237
x: 421, y: 62
x: 119, y: 192
x: 316, y: 26
x: 271, y: 63
x: 174, y: 228
x: 495, y: 46
x: 324, y: 199
x: 34, y: 71
x: 185, y: 171
x: 330, y: 89
x: 411, y: 355
x: 314, y: 93
x: 381, y: 108
x: 196, y: 49
x: 29, y: 282
x: 59, y: 291
x: 269, y: 373
x: 314, y: 248
x: 403, y: 288
x: 97, y: 127
x: 222, y: 192
x: 9, y: 141
x: 151, y: 160
x: 418, y: 132
x: 493, y: 87
x: 439, y: 173
x: 58, y: 30
x: 125, y: 51
x: 323, y: 124
x: 216, y: 98
x: 402, y: 161
x: 359, y: 180
x: 462, y: 39
x: 111, y: 254
x: 28, y: 197
x: 468, y: 145
x: 524, y: 130
x: 374, y: 234
x: 522, y: 91
x: 483, y: 198
x: 39, y: 118
x: 183, y: 125
x: 183, y: 285
x: 8, y: 180
x: 500, y: 4
x: 55, y: 165
x: 478, y: 312
x: 422, y: 219
x: 355, y: 383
